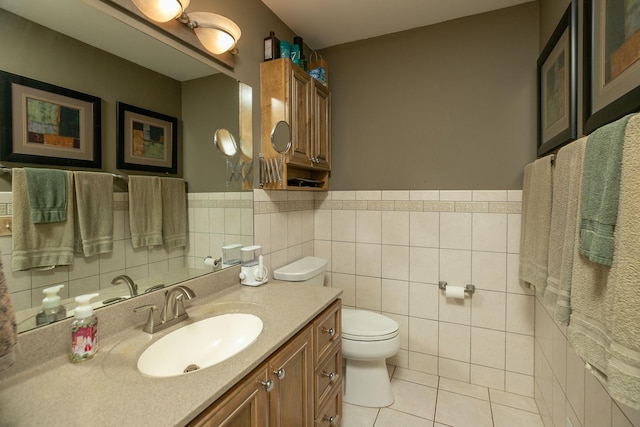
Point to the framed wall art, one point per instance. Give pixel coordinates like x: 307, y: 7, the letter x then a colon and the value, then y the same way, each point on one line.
x: 46, y: 124
x: 147, y: 141
x: 557, y: 85
x: 611, y: 60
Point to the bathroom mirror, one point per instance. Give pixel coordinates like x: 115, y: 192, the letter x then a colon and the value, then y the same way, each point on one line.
x: 225, y: 142
x: 281, y: 137
x: 70, y: 50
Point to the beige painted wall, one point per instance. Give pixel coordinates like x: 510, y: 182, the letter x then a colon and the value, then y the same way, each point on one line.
x: 449, y: 106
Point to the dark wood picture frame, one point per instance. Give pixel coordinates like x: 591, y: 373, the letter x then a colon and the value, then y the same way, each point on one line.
x: 46, y: 124
x: 147, y: 141
x: 610, y: 91
x: 557, y: 74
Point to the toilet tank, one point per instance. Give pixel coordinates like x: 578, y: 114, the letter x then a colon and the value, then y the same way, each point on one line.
x: 309, y: 271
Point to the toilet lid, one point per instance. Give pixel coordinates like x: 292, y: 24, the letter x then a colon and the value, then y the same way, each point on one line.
x: 363, y: 325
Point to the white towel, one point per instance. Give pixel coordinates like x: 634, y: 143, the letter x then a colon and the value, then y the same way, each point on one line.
x: 40, y: 245
x: 567, y: 178
x: 145, y: 211
x: 94, y: 225
x: 174, y: 212
x: 536, y: 223
x: 624, y: 299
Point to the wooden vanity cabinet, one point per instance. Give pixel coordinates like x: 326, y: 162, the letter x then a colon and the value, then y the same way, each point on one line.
x: 288, y: 93
x: 294, y: 387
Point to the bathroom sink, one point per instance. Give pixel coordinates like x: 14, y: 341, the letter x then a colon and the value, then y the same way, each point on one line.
x: 200, y: 345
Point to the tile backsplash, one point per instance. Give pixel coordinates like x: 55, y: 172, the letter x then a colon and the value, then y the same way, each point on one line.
x: 388, y: 250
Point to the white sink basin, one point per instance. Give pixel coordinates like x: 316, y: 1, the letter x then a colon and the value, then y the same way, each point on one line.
x: 200, y: 345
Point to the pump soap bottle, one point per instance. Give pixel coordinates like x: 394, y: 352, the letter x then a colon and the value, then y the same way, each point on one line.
x: 52, y: 310
x: 84, y: 330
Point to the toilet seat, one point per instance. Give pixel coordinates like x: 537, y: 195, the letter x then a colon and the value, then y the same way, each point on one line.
x: 362, y: 325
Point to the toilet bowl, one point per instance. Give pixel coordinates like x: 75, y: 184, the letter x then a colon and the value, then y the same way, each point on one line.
x: 368, y: 338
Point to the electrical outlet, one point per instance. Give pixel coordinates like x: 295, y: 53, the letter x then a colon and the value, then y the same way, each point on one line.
x: 6, y: 225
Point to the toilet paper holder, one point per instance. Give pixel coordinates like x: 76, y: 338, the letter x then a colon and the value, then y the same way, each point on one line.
x: 469, y: 289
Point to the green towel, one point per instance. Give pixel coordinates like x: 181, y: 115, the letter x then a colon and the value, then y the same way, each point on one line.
x: 600, y: 191
x: 47, y: 193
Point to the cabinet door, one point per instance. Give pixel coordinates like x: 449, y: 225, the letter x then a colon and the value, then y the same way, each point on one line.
x: 321, y: 132
x: 291, y: 369
x: 300, y: 111
x: 244, y: 406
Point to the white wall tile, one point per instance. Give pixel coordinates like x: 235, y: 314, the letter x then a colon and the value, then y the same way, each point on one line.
x: 424, y: 265
x: 489, y: 232
x: 489, y: 270
x: 519, y: 384
x: 520, y: 353
x: 369, y: 293
x: 343, y: 257
x: 454, y: 310
x: 368, y: 259
x: 395, y: 296
x: 520, y: 314
x: 423, y: 362
x: 454, y: 341
x: 423, y: 336
x: 395, y: 228
x: 455, y: 230
x: 487, y: 377
x: 369, y: 226
x: 425, y: 229
x: 455, y: 267
x: 343, y: 225
x: 423, y: 300
x: 488, y: 309
x: 395, y: 262
x: 322, y: 224
x: 487, y: 348
x: 454, y: 369
x: 597, y: 403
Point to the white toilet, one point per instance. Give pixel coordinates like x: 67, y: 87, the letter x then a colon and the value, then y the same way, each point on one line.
x: 368, y: 338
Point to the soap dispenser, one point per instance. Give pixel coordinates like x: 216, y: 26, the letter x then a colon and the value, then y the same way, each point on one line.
x: 84, y: 330
x: 52, y: 310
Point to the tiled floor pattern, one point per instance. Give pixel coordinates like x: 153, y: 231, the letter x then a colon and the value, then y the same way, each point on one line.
x: 423, y: 400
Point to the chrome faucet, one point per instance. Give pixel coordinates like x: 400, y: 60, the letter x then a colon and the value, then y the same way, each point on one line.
x: 172, y: 312
x: 133, y: 288
x: 174, y: 303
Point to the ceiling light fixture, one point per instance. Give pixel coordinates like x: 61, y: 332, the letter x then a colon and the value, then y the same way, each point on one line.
x: 216, y: 33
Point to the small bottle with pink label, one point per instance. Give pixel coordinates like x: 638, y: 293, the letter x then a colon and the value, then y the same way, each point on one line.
x: 84, y: 330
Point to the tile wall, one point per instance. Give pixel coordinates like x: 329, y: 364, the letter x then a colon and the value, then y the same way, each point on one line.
x: 388, y: 250
x: 565, y: 388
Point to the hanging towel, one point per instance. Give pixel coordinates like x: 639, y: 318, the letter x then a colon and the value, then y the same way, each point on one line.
x: 536, y: 223
x: 562, y: 239
x: 145, y: 211
x: 174, y: 212
x: 39, y: 245
x: 8, y: 326
x: 94, y: 210
x: 47, y: 190
x: 624, y: 363
x: 600, y: 191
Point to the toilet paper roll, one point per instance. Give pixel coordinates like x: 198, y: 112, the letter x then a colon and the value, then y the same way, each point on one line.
x: 210, y: 261
x: 456, y: 292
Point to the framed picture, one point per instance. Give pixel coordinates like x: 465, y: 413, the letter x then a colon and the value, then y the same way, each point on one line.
x: 612, y: 60
x: 46, y: 124
x: 557, y: 85
x: 147, y: 141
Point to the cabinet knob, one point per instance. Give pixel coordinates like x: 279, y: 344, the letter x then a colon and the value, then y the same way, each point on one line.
x: 332, y: 420
x: 331, y: 375
x: 280, y: 373
x: 329, y: 331
x: 268, y: 385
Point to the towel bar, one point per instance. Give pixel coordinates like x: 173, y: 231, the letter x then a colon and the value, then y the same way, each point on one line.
x: 469, y: 289
x: 6, y: 170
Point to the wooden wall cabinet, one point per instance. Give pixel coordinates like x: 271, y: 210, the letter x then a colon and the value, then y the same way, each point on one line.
x: 288, y: 93
x: 299, y: 385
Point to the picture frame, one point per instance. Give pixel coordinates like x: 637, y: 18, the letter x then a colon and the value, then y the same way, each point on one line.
x: 146, y: 140
x: 46, y: 124
x: 557, y: 74
x: 611, y: 61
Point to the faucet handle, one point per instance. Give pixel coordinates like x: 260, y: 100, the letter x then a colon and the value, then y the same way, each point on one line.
x: 152, y: 320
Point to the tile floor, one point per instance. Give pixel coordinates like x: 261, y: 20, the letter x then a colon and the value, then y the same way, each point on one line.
x: 426, y: 400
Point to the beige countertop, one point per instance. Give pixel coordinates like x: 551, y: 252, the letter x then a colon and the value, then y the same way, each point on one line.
x: 109, y: 390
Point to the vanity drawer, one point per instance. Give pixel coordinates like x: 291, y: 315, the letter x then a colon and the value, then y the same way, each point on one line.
x: 328, y: 375
x: 327, y: 330
x: 331, y: 413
